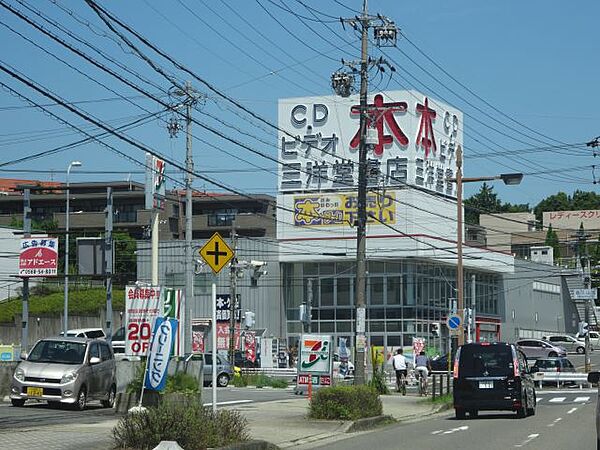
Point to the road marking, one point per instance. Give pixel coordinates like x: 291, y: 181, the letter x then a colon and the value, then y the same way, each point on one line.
x: 437, y: 431
x: 566, y: 391
x: 557, y: 399
x: 231, y: 402
x: 555, y: 422
x: 571, y: 411
x: 454, y: 430
x: 581, y: 399
x: 530, y: 438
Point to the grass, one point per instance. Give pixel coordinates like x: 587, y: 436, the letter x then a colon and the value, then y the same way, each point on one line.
x: 259, y: 380
x: 445, y: 399
x: 85, y: 301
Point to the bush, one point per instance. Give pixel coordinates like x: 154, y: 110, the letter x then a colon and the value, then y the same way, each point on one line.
x: 183, y: 383
x: 378, y: 382
x: 345, y: 403
x: 239, y: 381
x: 190, y: 425
x: 261, y: 380
x: 278, y: 383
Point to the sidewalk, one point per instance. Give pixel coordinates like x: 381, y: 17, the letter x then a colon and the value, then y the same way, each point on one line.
x: 284, y: 422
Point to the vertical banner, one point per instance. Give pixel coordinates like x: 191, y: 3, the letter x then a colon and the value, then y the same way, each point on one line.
x: 223, y: 335
x: 163, y: 337
x: 250, y: 345
x: 172, y: 301
x: 142, y: 306
x: 418, y: 346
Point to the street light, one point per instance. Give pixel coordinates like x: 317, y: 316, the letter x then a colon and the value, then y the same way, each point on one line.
x: 66, y: 308
x: 510, y: 179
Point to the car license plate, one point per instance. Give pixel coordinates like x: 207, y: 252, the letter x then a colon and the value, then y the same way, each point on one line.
x: 486, y: 385
x: 35, y: 392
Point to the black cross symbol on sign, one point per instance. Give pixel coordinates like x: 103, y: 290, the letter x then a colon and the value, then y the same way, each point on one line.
x: 216, y: 253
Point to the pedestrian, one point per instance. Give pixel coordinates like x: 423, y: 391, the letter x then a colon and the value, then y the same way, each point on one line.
x: 400, y: 365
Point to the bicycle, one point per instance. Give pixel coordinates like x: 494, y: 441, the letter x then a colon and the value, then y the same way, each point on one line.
x: 401, y: 382
x: 422, y: 382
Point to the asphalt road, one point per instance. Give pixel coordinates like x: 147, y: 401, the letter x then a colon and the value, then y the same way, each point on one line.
x: 564, y: 420
x: 40, y: 414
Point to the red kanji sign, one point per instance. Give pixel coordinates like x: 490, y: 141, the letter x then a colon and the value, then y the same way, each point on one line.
x: 377, y: 113
x: 425, y: 135
x: 38, y: 257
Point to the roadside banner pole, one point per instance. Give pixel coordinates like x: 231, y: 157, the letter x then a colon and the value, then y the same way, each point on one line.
x: 214, y: 347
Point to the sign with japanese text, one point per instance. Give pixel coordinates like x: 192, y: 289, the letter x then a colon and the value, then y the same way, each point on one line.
x: 224, y: 308
x: 250, y: 345
x: 415, y: 142
x: 337, y: 209
x: 38, y: 257
x: 200, y: 328
x: 223, y: 336
x: 572, y: 220
x: 315, y: 355
x: 142, y: 306
x: 163, y: 338
x: 172, y: 302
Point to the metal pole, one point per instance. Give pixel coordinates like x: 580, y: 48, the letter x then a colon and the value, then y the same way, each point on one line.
x: 66, y: 302
x: 25, y: 300
x: 154, y: 246
x: 189, y: 276
x: 213, y: 325
x: 232, y: 294
x: 309, y: 301
x: 472, y: 334
x: 108, y: 261
x: 361, y: 229
x: 588, y: 346
x: 459, y: 248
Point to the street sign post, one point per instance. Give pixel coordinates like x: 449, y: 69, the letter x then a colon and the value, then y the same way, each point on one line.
x: 216, y: 253
x: 454, y: 323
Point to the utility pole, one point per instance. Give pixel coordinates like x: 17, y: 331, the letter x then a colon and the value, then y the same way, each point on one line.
x: 581, y: 253
x: 108, y: 261
x: 385, y: 32
x: 25, y: 301
x: 233, y: 274
x: 309, y: 301
x: 189, y: 97
x: 471, y: 330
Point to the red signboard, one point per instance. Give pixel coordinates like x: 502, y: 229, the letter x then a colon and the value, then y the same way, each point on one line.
x: 250, y: 345
x: 223, y: 336
x: 38, y: 257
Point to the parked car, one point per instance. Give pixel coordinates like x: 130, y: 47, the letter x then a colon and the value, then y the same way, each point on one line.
x: 538, y: 348
x: 118, y: 340
x: 594, y: 378
x: 440, y: 363
x: 90, y: 333
x: 70, y: 370
x: 594, y: 338
x: 560, y: 364
x: 492, y: 376
x: 567, y: 342
x: 225, y: 370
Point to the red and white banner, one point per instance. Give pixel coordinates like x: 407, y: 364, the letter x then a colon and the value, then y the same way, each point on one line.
x: 223, y: 336
x: 142, y: 305
x: 250, y: 345
x: 38, y: 257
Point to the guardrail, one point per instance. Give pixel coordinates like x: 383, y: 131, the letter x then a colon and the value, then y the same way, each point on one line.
x: 561, y: 378
x: 272, y: 372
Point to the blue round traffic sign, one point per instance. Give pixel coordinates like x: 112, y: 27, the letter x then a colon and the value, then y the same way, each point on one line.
x: 454, y: 321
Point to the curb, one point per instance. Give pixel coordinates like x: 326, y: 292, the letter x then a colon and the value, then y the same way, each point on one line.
x: 369, y: 422
x: 250, y: 445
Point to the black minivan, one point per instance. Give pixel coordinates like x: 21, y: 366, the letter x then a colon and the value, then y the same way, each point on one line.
x: 492, y: 376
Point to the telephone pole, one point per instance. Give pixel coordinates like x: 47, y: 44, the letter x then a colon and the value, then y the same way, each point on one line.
x: 232, y: 294
x: 189, y: 97
x: 385, y: 32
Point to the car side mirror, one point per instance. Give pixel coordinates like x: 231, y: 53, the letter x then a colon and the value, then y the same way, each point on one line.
x: 24, y: 356
x: 593, y: 377
x: 94, y: 360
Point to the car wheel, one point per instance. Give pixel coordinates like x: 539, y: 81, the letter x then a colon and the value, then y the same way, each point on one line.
x: 580, y: 350
x: 459, y: 413
x: 223, y: 380
x: 110, y: 400
x: 17, y: 402
x: 531, y: 411
x: 81, y: 399
x: 552, y: 355
x: 522, y: 411
x: 473, y: 414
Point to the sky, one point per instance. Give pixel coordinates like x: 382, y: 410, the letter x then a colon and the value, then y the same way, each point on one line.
x: 524, y: 74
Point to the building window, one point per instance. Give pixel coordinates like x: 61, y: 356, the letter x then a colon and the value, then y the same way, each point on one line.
x: 222, y: 218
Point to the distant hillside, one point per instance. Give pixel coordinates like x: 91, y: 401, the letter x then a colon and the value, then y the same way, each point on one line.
x: 80, y: 302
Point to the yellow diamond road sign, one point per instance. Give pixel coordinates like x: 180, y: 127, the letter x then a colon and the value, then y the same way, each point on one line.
x: 216, y: 253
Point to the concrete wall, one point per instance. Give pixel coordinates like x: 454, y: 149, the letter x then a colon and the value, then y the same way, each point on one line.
x: 499, y: 229
x: 10, y: 333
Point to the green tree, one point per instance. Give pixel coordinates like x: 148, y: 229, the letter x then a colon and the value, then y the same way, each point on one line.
x: 125, y: 264
x: 552, y: 241
x: 585, y: 200
x: 485, y: 201
x: 556, y: 202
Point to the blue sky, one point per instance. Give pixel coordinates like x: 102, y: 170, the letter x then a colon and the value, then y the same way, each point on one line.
x: 531, y: 70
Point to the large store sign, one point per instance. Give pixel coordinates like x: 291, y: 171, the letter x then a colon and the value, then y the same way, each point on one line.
x: 413, y: 141
x: 38, y: 257
x: 142, y: 306
x: 342, y: 208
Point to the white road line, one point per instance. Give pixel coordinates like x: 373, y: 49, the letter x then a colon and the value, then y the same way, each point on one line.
x: 557, y: 399
x: 454, y: 430
x: 555, y: 422
x: 566, y: 391
x: 571, y: 411
x: 231, y: 402
x: 581, y: 399
x: 530, y: 438
x: 437, y: 431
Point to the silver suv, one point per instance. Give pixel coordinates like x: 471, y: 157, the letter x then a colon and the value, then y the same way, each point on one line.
x: 567, y: 342
x: 69, y: 370
x: 538, y: 348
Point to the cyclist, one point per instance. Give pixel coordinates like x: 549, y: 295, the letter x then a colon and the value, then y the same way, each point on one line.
x: 400, y: 365
x: 422, y: 369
